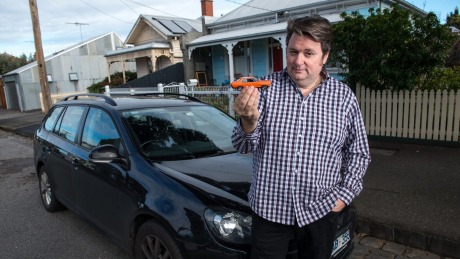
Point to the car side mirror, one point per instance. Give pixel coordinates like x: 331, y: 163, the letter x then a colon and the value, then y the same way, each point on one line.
x: 105, y: 154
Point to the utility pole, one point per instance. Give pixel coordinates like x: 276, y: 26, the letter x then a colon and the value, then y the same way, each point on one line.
x: 46, y: 98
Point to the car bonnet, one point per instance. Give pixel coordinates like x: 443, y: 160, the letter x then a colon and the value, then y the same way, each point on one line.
x: 227, y: 176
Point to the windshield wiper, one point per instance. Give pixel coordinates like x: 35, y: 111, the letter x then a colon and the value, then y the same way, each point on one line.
x: 216, y: 153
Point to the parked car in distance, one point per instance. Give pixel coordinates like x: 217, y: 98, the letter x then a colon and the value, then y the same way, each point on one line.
x: 247, y: 81
x: 156, y: 174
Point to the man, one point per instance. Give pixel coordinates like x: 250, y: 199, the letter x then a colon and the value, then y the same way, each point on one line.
x: 309, y: 145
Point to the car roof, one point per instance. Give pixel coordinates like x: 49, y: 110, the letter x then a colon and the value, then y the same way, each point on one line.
x: 131, y: 102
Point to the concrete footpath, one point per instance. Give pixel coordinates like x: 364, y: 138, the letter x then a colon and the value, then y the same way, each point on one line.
x: 411, y: 195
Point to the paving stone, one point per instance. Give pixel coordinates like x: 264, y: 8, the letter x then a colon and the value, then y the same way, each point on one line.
x: 360, y: 250
x: 420, y: 254
x: 372, y: 242
x: 378, y: 253
x: 394, y: 248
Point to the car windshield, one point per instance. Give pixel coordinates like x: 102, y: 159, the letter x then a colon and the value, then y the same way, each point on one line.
x: 176, y: 133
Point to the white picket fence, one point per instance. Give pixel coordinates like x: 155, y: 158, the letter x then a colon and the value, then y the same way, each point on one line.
x: 428, y: 115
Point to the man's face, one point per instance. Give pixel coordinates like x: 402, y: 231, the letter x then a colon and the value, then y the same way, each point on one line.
x: 305, y: 59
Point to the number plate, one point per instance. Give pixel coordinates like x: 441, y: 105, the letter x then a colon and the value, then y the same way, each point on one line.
x: 340, y: 243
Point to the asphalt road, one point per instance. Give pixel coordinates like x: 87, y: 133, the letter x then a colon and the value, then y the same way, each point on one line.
x: 27, y: 229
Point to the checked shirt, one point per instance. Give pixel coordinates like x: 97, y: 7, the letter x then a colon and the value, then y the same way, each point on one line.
x: 307, y: 151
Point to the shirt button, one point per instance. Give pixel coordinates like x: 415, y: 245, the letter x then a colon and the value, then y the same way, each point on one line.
x: 254, y: 142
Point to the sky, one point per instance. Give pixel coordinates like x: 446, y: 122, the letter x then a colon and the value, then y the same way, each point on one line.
x: 64, y: 23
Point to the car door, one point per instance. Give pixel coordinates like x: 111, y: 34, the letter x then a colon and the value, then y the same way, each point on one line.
x: 99, y: 187
x: 60, y: 147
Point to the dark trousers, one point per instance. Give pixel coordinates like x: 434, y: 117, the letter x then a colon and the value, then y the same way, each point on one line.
x: 270, y: 240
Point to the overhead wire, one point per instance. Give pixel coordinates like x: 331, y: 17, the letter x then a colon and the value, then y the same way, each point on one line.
x: 248, y: 5
x: 134, y: 11
x: 104, y: 12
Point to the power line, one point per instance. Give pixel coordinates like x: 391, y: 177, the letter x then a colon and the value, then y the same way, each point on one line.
x: 154, y: 8
x: 129, y: 7
x: 255, y: 7
x: 104, y: 12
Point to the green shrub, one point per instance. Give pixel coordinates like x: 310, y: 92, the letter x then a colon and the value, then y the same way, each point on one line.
x: 441, y: 79
x: 115, y: 80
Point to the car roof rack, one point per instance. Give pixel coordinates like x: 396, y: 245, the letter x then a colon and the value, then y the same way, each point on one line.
x: 174, y: 94
x: 106, y: 98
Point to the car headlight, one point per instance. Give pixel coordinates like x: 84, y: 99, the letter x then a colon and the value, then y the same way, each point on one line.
x: 228, y: 225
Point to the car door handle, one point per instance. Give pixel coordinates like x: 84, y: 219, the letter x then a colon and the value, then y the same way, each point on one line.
x: 75, y: 162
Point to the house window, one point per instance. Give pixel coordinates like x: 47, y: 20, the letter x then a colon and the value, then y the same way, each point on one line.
x: 50, y: 78
x: 73, y: 77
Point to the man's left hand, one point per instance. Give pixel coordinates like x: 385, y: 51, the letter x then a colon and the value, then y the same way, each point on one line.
x: 339, y: 206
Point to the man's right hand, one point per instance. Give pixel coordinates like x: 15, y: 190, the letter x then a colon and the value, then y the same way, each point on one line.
x: 245, y: 106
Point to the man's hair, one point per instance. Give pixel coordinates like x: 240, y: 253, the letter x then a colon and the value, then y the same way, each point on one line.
x: 315, y: 27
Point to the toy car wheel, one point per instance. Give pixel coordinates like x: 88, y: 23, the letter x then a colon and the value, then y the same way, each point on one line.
x: 239, y: 88
x: 47, y: 196
x: 265, y: 87
x: 153, y: 241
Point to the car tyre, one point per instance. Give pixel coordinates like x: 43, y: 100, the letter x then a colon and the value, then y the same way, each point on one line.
x: 265, y: 87
x: 240, y: 88
x: 47, y: 195
x: 153, y: 241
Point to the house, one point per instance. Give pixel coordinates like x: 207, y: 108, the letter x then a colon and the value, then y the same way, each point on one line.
x: 250, y: 40
x: 155, y: 42
x: 70, y: 70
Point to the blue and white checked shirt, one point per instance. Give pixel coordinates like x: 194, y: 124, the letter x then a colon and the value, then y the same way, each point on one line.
x: 308, y: 151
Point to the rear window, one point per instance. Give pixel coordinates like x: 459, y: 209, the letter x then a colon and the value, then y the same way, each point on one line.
x: 68, y: 125
x: 52, y: 118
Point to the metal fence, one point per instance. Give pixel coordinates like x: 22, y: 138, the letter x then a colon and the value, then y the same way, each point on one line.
x: 217, y: 96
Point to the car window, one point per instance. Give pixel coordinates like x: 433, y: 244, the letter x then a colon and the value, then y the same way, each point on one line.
x: 99, y: 129
x: 52, y: 118
x: 67, y: 126
x: 176, y: 133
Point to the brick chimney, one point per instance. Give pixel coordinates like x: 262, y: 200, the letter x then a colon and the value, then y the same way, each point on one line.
x: 206, y: 8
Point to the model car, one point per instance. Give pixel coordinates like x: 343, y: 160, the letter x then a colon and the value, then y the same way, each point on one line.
x: 158, y: 175
x: 247, y: 81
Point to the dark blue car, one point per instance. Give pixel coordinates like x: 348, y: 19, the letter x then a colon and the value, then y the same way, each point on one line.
x: 156, y: 174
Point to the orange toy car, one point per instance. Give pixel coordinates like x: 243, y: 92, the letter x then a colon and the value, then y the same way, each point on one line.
x: 247, y: 81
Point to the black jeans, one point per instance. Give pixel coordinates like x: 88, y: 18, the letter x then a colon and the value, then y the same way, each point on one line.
x: 270, y: 240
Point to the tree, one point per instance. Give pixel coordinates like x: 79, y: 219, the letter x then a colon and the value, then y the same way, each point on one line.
x: 9, y: 62
x: 390, y: 49
x: 453, y: 19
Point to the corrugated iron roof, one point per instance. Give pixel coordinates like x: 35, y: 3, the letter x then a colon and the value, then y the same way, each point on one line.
x: 249, y: 32
x: 59, y: 53
x: 152, y: 45
x: 259, y: 7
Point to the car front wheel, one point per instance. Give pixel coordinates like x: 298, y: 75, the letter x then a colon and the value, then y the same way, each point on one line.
x: 153, y: 241
x: 47, y: 195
